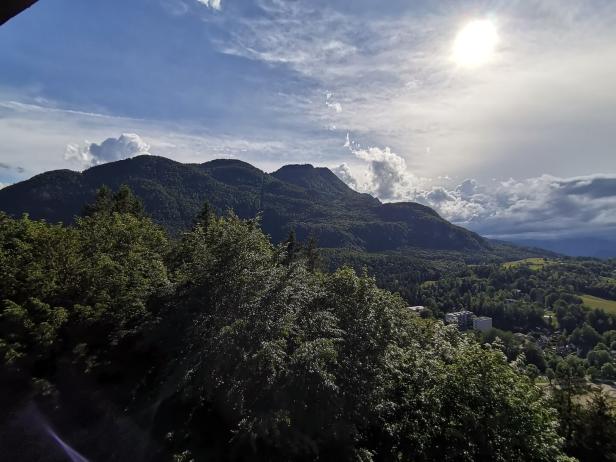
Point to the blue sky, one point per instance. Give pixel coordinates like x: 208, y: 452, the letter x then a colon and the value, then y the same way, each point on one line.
x: 366, y: 88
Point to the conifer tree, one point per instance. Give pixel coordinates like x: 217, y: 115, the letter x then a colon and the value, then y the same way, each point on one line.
x: 292, y: 247
x: 313, y: 258
x: 205, y: 215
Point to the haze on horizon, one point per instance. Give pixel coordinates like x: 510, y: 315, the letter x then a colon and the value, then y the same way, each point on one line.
x: 500, y: 115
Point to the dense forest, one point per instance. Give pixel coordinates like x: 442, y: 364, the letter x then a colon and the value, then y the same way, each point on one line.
x: 118, y: 342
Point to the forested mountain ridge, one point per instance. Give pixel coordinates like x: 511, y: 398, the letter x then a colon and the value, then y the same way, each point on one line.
x: 312, y: 201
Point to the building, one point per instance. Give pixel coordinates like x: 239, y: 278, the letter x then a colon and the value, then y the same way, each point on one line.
x: 465, y: 320
x: 418, y: 310
x: 482, y: 323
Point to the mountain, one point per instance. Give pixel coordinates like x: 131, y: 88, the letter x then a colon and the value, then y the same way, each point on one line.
x: 312, y: 201
x: 603, y: 247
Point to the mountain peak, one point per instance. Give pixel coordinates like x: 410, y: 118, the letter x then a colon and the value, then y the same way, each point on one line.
x: 222, y: 163
x: 319, y: 179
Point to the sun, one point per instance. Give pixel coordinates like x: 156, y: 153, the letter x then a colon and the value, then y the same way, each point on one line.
x: 475, y: 43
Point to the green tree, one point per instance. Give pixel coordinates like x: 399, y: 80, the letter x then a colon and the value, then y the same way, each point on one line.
x: 122, y: 201
x: 598, y: 357
x: 569, y: 384
x: 313, y: 258
x: 594, y: 435
x: 608, y: 371
x: 328, y: 365
x: 205, y: 215
x: 585, y: 338
x: 292, y: 247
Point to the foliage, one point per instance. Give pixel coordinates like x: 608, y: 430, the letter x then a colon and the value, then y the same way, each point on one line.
x: 218, y: 346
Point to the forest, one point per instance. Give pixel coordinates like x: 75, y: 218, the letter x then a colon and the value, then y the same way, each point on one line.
x: 545, y: 305
x: 119, y: 342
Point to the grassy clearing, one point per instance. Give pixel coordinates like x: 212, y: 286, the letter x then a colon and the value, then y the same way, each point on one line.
x: 609, y: 306
x: 532, y: 263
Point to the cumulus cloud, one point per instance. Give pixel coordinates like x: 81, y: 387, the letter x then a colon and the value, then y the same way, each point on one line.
x: 112, y: 149
x: 387, y: 174
x: 213, y: 4
x: 387, y: 171
x: 534, y: 207
x: 541, y: 207
x: 343, y: 172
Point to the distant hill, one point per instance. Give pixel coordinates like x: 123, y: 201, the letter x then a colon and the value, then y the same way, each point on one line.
x: 312, y: 201
x: 580, y: 246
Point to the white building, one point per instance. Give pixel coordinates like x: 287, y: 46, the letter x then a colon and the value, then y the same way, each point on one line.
x: 418, y: 310
x: 467, y: 320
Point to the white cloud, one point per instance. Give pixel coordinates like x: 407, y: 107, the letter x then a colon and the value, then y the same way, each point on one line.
x: 35, y: 138
x: 400, y: 88
x: 330, y: 103
x: 387, y: 171
x: 301, y: 35
x: 112, y: 149
x: 540, y: 206
x: 214, y: 4
x: 344, y: 173
x: 386, y: 176
x: 534, y: 207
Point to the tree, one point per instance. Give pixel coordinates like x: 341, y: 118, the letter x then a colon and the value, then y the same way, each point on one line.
x: 532, y: 372
x: 608, y: 371
x: 609, y: 337
x: 292, y: 247
x: 124, y: 201
x: 39, y: 264
x: 585, y: 337
x: 205, y: 215
x: 222, y: 348
x: 598, y: 357
x: 594, y: 435
x: 550, y: 375
x: 570, y: 382
x: 534, y: 355
x: 107, y: 202
x: 313, y: 257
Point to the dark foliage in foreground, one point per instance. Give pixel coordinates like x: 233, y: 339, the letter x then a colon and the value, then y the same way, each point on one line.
x: 218, y: 346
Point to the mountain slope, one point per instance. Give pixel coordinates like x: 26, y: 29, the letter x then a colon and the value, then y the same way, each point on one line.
x: 301, y: 197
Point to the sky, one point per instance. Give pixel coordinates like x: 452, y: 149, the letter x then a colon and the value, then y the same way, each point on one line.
x: 510, y: 132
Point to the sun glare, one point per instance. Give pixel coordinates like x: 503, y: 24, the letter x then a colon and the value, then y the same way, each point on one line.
x: 475, y: 43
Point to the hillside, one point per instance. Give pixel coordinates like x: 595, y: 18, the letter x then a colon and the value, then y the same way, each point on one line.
x: 313, y: 201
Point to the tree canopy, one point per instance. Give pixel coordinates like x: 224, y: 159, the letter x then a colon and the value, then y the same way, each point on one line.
x: 217, y: 346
